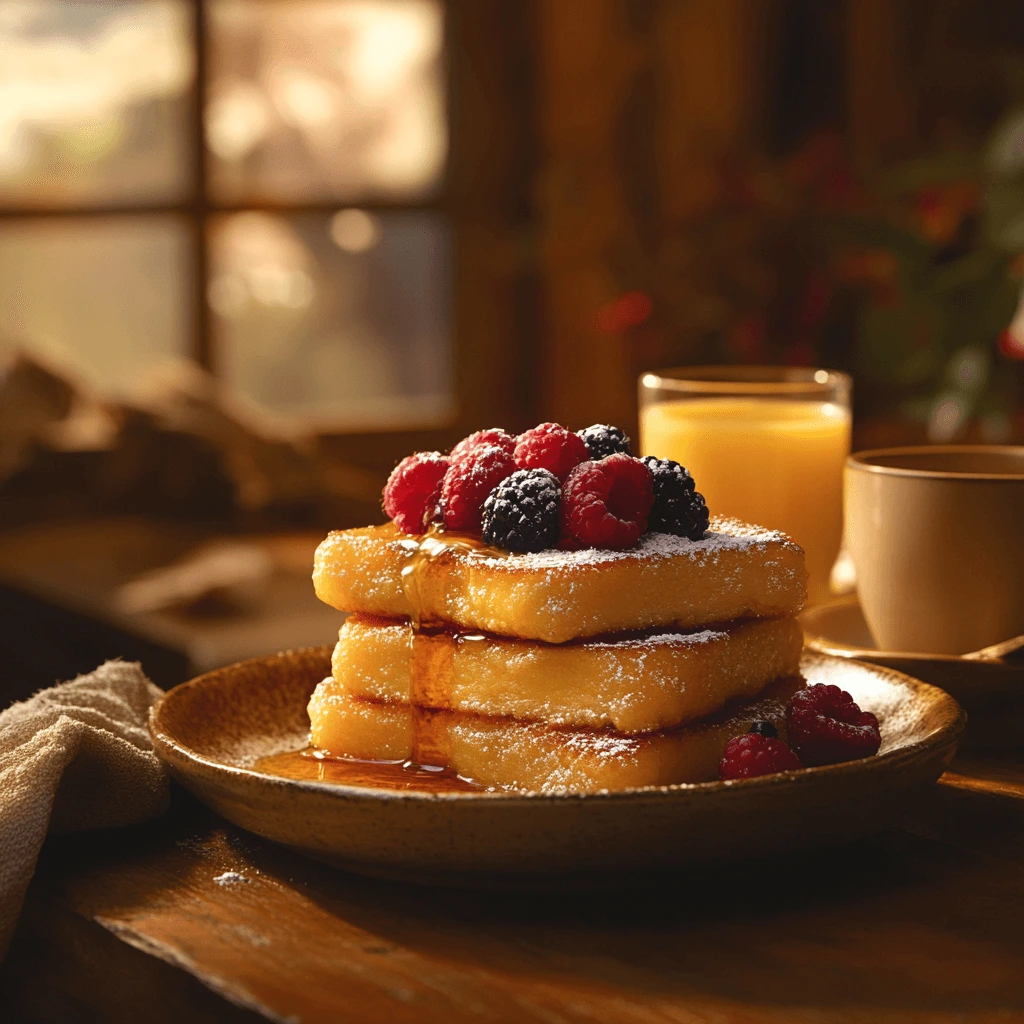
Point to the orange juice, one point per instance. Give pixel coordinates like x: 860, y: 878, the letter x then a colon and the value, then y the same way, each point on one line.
x: 774, y: 462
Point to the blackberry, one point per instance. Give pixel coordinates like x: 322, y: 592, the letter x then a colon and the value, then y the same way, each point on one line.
x: 603, y: 440
x: 522, y: 513
x: 764, y: 728
x: 678, y: 507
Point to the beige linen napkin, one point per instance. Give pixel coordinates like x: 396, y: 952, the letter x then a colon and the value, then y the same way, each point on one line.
x: 75, y: 756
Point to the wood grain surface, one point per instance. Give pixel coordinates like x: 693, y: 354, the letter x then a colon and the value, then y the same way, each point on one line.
x: 921, y: 924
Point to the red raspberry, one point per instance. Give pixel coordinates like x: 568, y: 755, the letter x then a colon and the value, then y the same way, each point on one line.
x: 495, y: 436
x: 605, y: 504
x: 470, y: 478
x: 826, y: 726
x: 414, y: 489
x: 752, y: 754
x: 550, y: 446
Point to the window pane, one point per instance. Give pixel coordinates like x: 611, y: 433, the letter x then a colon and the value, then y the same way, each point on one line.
x: 107, y: 299
x: 322, y: 99
x: 94, y: 101
x: 340, y: 321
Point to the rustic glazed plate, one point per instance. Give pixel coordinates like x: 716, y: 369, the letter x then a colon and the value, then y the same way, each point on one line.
x: 212, y: 731
x: 991, y: 691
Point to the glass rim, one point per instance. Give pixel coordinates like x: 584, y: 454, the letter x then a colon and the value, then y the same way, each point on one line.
x: 747, y: 380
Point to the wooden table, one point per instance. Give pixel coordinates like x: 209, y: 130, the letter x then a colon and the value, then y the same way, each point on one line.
x: 188, y: 918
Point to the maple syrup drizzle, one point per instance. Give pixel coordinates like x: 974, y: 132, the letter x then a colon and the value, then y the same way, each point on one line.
x: 311, y: 765
x: 433, y: 650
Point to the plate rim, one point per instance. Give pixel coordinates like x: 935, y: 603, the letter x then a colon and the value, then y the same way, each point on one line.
x: 176, y: 755
x: 172, y: 751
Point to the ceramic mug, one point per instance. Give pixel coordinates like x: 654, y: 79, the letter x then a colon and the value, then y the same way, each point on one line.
x: 937, y: 538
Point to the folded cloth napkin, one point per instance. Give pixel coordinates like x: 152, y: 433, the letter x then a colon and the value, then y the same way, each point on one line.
x: 75, y: 756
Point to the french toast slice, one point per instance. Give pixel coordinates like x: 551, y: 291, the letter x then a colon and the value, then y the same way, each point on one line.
x: 506, y: 754
x: 633, y: 684
x: 735, y: 572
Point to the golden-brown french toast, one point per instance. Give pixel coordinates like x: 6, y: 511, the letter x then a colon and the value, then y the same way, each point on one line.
x: 506, y: 754
x: 633, y: 684
x: 736, y: 571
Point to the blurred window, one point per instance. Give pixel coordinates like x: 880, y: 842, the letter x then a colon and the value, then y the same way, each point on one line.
x: 339, y: 319
x: 257, y: 184
x: 94, y: 102
x: 125, y: 280
x: 325, y: 100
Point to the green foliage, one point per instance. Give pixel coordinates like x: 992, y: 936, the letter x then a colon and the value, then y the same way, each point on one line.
x: 909, y: 280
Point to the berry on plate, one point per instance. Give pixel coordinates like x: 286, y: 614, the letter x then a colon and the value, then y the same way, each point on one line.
x: 603, y: 440
x: 678, y: 508
x: 764, y: 728
x: 754, y: 754
x: 470, y: 478
x: 493, y: 435
x: 605, y: 504
x: 414, y: 489
x: 550, y: 446
x: 522, y: 512
x: 826, y: 726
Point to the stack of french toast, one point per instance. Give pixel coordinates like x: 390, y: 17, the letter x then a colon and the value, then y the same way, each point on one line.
x: 544, y: 646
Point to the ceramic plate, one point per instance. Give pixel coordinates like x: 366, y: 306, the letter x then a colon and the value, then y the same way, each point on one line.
x: 212, y: 730
x: 991, y: 692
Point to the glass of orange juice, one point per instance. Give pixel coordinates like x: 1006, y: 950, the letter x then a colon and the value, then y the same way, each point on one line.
x: 765, y: 444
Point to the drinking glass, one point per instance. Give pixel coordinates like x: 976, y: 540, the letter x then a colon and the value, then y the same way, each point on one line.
x: 765, y: 444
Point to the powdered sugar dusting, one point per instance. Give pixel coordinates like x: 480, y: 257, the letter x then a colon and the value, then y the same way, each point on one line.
x: 704, y: 636
x: 726, y: 535
x: 672, y: 583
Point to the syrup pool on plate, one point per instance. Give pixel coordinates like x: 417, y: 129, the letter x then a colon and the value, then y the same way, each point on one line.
x: 433, y: 648
x: 311, y: 765
x: 777, y: 463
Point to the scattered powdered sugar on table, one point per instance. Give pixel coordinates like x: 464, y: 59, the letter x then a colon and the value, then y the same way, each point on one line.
x: 231, y: 878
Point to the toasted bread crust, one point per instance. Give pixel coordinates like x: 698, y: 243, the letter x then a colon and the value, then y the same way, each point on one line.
x: 502, y: 753
x: 736, y: 572
x: 634, y: 684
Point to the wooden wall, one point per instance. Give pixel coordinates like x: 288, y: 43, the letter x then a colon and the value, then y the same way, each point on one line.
x: 635, y: 101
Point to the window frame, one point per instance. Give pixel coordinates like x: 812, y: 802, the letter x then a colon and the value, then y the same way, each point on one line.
x: 484, y: 197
